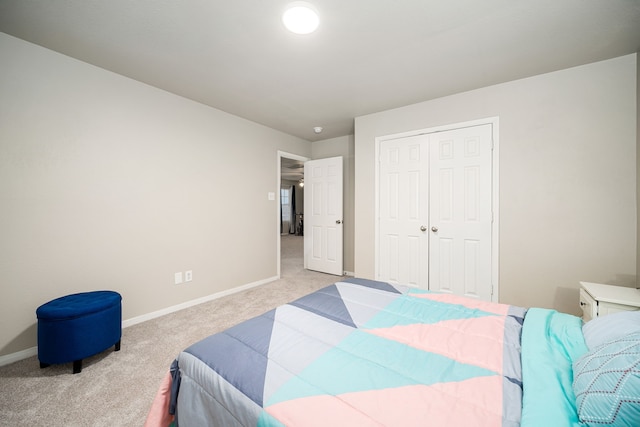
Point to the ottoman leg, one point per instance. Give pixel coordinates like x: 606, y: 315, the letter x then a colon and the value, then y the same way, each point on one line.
x: 77, y: 366
x: 44, y: 365
x: 117, y: 346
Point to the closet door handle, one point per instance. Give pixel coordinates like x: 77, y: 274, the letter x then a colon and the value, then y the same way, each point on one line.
x: 434, y: 229
x: 423, y: 228
x: 338, y: 221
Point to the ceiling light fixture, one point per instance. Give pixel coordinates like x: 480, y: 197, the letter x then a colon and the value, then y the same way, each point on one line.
x: 317, y: 129
x: 300, y: 17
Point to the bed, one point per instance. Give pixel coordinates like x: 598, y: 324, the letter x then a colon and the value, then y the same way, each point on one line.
x: 368, y: 353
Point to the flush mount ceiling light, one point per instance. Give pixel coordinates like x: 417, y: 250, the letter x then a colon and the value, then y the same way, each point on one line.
x: 300, y: 17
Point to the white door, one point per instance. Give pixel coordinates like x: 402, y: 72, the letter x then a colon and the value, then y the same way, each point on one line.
x: 323, y: 215
x: 404, y: 211
x: 435, y: 211
x: 460, y: 212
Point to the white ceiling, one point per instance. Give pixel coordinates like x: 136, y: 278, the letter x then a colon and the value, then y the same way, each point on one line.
x: 367, y: 55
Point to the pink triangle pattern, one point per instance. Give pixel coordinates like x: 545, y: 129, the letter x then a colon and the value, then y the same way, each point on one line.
x: 490, y: 307
x: 319, y: 411
x: 477, y: 341
x: 472, y: 402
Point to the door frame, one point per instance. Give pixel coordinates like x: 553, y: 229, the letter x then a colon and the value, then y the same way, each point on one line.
x: 495, y: 193
x: 280, y: 156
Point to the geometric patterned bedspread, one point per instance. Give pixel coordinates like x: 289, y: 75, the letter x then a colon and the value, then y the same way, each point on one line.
x: 358, y: 353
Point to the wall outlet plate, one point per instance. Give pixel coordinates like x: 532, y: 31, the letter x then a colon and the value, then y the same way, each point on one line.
x: 188, y: 275
x: 178, y: 278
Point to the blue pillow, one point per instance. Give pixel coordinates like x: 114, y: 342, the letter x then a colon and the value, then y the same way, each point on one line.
x: 606, y: 328
x: 606, y: 382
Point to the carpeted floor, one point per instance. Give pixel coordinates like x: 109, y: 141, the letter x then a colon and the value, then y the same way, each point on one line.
x: 117, y: 388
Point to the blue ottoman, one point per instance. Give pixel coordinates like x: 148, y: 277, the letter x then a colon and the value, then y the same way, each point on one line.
x: 77, y: 326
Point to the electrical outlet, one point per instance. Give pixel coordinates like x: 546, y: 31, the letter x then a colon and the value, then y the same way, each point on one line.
x: 188, y: 275
x: 178, y: 278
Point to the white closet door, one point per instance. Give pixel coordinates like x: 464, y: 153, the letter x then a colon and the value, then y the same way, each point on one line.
x: 403, y: 181
x: 460, y: 211
x: 435, y: 211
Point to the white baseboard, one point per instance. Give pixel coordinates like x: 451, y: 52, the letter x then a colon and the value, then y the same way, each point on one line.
x: 18, y: 355
x: 178, y: 307
x: 33, y: 351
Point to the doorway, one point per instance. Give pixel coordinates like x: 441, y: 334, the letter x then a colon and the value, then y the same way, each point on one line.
x: 290, y: 248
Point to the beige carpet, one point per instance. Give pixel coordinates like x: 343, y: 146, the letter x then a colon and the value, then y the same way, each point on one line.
x: 117, y: 388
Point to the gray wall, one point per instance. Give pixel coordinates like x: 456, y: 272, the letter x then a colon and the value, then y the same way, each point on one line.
x: 107, y: 183
x: 567, y: 177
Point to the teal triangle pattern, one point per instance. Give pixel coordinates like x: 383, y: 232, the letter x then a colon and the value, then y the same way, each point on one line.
x: 410, y: 310
x: 266, y: 420
x: 364, y: 362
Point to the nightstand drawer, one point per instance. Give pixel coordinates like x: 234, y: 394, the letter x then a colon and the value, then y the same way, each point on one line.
x: 588, y: 305
x: 605, y: 308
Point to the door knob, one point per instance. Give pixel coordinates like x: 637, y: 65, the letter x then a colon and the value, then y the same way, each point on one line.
x: 338, y: 221
x: 423, y: 228
x: 434, y: 229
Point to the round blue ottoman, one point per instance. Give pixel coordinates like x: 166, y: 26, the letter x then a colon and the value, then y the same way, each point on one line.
x: 77, y: 326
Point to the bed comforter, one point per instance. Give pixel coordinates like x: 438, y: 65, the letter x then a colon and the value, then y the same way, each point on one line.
x: 358, y: 352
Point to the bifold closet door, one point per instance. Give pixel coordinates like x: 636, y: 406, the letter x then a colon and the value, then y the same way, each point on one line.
x: 460, y: 211
x: 435, y: 211
x: 404, y: 211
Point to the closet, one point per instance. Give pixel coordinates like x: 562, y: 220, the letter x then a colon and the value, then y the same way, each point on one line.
x: 436, y: 211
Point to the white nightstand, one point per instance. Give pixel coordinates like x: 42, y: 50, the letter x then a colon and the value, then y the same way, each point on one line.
x: 599, y: 300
